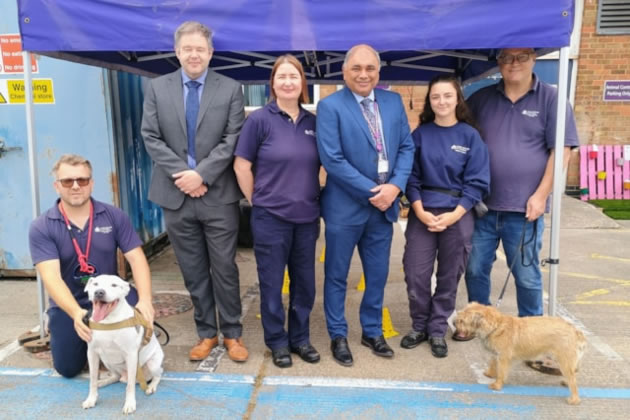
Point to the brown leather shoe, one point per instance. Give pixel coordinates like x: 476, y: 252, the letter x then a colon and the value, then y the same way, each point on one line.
x: 236, y: 349
x: 203, y: 348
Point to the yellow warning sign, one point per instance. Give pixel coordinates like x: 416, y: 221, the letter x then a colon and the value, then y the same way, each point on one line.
x: 12, y: 92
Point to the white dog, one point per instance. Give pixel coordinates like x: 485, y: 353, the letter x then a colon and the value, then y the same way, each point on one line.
x: 119, y: 349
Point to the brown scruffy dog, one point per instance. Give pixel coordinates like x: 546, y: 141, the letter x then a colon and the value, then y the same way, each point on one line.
x: 510, y: 338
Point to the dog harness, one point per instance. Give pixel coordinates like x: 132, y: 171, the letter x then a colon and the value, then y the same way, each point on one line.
x: 134, y: 321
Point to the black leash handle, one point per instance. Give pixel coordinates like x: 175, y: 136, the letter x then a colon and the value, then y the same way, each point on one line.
x: 87, y: 316
x: 520, y: 249
x: 168, y: 337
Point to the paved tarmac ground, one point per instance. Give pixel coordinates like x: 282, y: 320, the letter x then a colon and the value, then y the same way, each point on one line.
x: 593, y: 293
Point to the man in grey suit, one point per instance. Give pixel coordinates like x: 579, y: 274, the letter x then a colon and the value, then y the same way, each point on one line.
x: 192, y: 119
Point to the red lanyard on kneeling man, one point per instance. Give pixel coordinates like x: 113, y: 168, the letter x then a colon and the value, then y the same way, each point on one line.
x: 83, y: 257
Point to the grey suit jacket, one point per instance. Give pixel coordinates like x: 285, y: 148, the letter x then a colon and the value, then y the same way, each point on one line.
x: 219, y: 123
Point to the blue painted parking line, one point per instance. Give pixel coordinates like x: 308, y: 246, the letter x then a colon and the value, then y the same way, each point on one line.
x: 287, y: 401
x: 26, y: 393
x: 42, y: 394
x: 541, y: 391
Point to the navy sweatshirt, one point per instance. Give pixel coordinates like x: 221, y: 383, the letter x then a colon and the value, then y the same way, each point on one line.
x: 453, y: 158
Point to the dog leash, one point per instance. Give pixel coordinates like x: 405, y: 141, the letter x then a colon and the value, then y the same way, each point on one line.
x: 521, y: 248
x: 166, y: 335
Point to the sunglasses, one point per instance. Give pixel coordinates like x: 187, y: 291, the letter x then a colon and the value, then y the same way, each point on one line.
x: 69, y: 182
x: 509, y: 58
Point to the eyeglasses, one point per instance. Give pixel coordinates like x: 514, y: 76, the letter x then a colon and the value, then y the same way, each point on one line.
x: 509, y: 58
x: 69, y: 182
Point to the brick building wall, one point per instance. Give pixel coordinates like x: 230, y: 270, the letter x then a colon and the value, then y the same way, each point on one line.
x: 412, y: 97
x: 602, y: 57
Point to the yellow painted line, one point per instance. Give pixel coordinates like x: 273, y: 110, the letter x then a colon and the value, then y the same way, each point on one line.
x: 607, y: 257
x: 361, y: 285
x: 602, y: 302
x: 388, y: 327
x: 285, y: 282
x: 591, y: 277
x: 322, y: 256
x: 596, y: 292
x: 258, y: 316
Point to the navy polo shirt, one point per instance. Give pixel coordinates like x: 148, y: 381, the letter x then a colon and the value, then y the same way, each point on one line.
x: 111, y: 229
x: 285, y: 162
x: 519, y: 137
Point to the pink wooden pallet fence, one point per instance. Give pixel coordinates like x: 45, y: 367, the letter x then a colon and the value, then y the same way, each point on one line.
x: 592, y: 187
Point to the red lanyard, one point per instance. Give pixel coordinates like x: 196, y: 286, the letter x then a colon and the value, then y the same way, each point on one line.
x: 84, y: 267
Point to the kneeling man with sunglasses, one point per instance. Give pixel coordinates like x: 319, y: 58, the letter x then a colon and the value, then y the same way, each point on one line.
x: 76, y: 239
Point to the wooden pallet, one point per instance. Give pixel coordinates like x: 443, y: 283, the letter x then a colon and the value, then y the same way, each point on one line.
x: 604, y: 172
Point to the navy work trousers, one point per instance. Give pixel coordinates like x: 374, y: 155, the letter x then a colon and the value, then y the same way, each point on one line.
x: 277, y: 244
x: 451, y: 247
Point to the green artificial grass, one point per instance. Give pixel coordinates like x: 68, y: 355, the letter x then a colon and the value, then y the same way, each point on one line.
x: 615, y: 209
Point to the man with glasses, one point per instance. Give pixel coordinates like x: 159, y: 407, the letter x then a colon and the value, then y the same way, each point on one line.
x: 517, y: 117
x: 76, y: 239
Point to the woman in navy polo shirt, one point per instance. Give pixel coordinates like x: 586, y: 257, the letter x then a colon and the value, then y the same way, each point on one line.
x: 450, y: 175
x: 277, y: 167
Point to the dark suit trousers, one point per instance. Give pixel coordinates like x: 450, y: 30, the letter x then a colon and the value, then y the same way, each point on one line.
x: 374, y: 240
x: 451, y: 247
x: 278, y: 243
x: 204, y: 240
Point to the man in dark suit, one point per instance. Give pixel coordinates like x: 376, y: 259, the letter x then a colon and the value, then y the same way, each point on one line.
x: 191, y: 121
x: 366, y: 148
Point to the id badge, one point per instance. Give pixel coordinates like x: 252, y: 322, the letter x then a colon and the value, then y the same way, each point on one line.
x: 383, y: 166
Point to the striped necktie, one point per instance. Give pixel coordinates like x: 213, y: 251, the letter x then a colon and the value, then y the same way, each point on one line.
x: 375, y: 130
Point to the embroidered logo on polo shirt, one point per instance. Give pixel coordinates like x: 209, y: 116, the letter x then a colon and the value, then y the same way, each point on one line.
x: 309, y: 132
x: 103, y: 229
x: 532, y: 114
x: 460, y: 149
